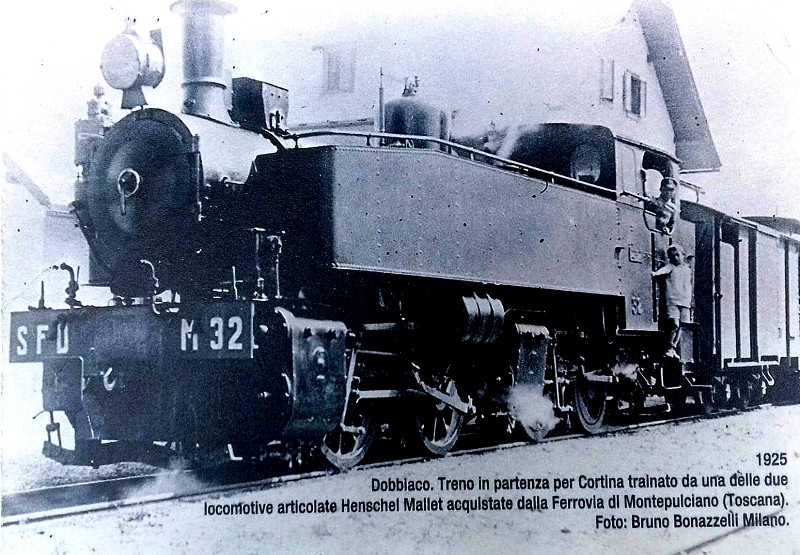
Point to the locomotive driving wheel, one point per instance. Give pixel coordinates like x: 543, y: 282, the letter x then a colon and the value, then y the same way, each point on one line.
x: 347, y: 444
x: 590, y: 405
x: 438, y: 425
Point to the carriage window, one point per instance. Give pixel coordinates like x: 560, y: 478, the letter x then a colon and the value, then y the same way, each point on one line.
x: 630, y: 165
x: 652, y: 182
x: 585, y: 163
x: 655, y: 167
x: 661, y: 188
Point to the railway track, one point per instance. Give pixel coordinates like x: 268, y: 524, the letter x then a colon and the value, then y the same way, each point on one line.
x: 86, y: 497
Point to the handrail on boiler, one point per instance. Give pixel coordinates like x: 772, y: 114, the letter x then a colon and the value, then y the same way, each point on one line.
x: 450, y: 146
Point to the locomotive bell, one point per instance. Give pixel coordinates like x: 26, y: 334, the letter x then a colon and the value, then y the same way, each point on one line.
x: 131, y: 61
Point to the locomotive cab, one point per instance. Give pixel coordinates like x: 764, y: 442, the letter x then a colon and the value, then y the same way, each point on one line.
x: 584, y: 153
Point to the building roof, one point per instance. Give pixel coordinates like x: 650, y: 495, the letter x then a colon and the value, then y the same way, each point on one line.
x: 15, y: 174
x: 693, y: 142
x: 784, y: 225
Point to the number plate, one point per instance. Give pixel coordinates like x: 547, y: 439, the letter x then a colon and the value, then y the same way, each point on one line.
x: 41, y: 334
x: 218, y: 330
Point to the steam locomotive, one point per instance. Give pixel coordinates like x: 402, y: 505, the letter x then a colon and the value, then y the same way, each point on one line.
x: 271, y: 286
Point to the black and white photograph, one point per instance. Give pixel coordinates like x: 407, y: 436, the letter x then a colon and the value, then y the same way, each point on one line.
x: 400, y: 277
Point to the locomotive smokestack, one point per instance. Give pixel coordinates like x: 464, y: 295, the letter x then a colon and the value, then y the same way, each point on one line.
x: 203, y: 57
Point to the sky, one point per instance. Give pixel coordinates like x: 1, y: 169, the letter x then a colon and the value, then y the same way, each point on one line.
x: 744, y: 56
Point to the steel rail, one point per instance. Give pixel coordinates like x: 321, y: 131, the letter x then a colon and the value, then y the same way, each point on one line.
x: 277, y: 481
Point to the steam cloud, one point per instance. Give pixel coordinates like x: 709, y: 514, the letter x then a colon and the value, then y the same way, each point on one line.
x: 532, y: 408
x: 176, y: 480
x: 626, y: 370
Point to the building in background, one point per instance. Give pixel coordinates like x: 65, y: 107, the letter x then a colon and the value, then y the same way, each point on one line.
x: 36, y: 235
x: 630, y: 74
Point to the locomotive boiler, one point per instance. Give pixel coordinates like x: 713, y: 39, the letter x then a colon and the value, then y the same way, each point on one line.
x: 318, y: 288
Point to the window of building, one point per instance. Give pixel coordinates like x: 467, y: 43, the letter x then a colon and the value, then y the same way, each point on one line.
x: 607, y: 79
x: 635, y: 95
x: 338, y: 67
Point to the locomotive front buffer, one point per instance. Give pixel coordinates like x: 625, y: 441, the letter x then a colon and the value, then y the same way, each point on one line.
x: 199, y: 377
